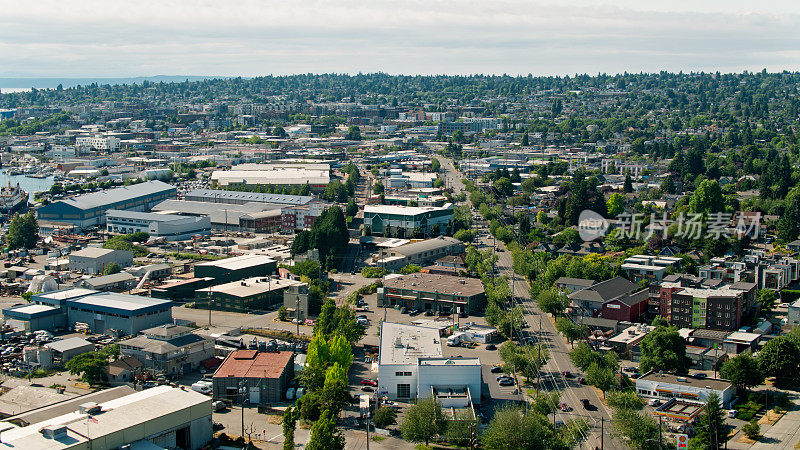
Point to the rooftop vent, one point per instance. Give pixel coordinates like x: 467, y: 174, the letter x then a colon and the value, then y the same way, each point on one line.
x: 54, y: 432
x: 89, y: 408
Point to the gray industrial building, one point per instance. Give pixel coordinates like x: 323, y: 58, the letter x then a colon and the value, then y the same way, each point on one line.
x: 93, y: 260
x: 68, y: 348
x: 89, y: 209
x: 240, y: 198
x: 236, y: 268
x: 168, y: 349
x: 115, y: 282
x: 101, y: 311
x: 172, y: 227
x: 160, y: 417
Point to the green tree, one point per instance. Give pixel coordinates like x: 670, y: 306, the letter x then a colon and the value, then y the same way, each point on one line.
x: 352, y: 209
x: 570, y: 330
x: 23, y: 231
x: 410, y: 268
x: 526, y: 359
x: 638, y: 430
x: 423, y: 421
x: 624, y: 399
x: 289, y: 425
x: 384, y: 417
x: 601, y: 377
x: 664, y: 349
x: 324, y: 435
x: 707, y: 198
x: 752, y: 430
x: 742, y: 371
x: 711, y: 432
x: 767, y: 298
x: 112, y: 269
x: 353, y: 133
x: 525, y: 140
x: 335, y: 393
x: 377, y: 188
x: 436, y: 166
x: 550, y: 301
x: 780, y: 357
x: 627, y: 186
x: 615, y: 205
x: 511, y: 429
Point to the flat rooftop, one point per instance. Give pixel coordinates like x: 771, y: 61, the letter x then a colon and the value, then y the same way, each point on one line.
x: 121, y: 302
x: 449, y: 362
x: 443, y: 284
x: 252, y: 286
x: 405, y: 344
x: 405, y: 210
x: 697, y: 383
x: 253, y: 364
x: 238, y: 262
x: 123, y: 413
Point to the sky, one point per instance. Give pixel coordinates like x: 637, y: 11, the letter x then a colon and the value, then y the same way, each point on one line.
x: 76, y: 38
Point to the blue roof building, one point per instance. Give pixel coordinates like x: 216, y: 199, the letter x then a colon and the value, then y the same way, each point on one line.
x: 89, y: 209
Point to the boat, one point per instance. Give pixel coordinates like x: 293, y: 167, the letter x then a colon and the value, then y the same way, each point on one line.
x: 12, y: 200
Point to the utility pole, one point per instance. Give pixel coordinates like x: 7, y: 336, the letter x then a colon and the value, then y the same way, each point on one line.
x: 659, y: 433
x: 368, y: 429
x: 602, y: 423
x: 297, y: 315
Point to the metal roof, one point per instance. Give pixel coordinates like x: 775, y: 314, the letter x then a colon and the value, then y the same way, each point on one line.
x: 220, y: 195
x: 110, y: 196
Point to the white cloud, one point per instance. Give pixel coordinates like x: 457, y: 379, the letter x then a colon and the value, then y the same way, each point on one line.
x: 249, y: 37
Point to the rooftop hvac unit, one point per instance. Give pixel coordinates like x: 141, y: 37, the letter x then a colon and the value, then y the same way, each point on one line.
x: 54, y: 432
x: 89, y: 408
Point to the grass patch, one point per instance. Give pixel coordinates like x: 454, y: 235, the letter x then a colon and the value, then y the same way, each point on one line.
x: 378, y: 438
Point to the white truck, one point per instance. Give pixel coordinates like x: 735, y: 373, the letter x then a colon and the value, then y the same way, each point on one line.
x: 455, y: 339
x: 203, y: 387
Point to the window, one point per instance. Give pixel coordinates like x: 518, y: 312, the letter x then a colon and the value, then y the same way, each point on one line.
x: 403, y: 390
x: 402, y: 374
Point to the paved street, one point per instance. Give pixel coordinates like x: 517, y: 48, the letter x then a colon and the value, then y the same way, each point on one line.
x: 541, y: 329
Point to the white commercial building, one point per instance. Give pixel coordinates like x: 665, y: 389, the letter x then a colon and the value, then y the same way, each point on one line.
x: 160, y: 417
x: 411, y: 364
x: 666, y: 386
x: 170, y: 226
x: 107, y: 143
x: 281, y: 176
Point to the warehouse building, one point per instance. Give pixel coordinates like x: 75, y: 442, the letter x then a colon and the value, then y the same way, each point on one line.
x: 66, y: 349
x: 101, y: 312
x: 116, y: 282
x: 264, y: 376
x: 436, y: 293
x: 411, y: 364
x: 168, y: 349
x: 89, y: 209
x: 420, y: 253
x: 93, y: 260
x: 181, y: 289
x: 241, y: 198
x: 170, y: 226
x: 160, y: 417
x: 255, y: 217
x: 388, y: 219
x: 236, y: 268
x: 286, y: 177
x: 257, y: 293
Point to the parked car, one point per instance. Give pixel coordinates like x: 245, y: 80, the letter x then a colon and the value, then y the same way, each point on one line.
x: 491, y: 347
x: 565, y: 407
x: 367, y: 389
x: 700, y: 375
x: 581, y: 380
x: 567, y: 374
x: 506, y: 382
x: 654, y: 402
x: 368, y: 382
x: 732, y: 413
x: 631, y: 369
x: 414, y: 312
x: 496, y: 369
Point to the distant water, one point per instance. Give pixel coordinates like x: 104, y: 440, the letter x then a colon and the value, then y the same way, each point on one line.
x: 28, y: 184
x: 12, y: 90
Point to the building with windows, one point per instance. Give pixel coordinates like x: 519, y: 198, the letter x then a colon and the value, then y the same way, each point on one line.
x: 100, y: 311
x: 420, y: 253
x: 236, y: 268
x: 429, y: 292
x: 665, y: 386
x: 168, y: 349
x: 411, y: 364
x: 89, y: 209
x: 390, y: 219
x: 170, y: 226
x: 241, y: 197
x: 285, y: 177
x: 93, y: 260
x: 253, y: 377
x: 302, y: 217
x: 257, y: 293
x: 109, y: 144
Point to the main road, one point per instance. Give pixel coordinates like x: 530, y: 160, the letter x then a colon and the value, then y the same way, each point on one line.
x: 541, y: 329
